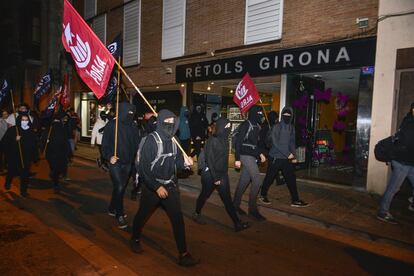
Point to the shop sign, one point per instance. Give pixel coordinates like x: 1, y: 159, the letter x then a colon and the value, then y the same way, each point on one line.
x: 338, y: 55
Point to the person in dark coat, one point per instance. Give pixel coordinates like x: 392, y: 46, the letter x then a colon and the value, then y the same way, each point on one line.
x: 215, y: 175
x: 120, y: 165
x: 282, y: 157
x: 212, y: 125
x: 57, y: 150
x: 160, y: 187
x: 198, y: 128
x: 24, y: 133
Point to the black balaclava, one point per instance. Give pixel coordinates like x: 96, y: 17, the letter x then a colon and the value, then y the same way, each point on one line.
x: 167, y: 130
x: 103, y: 115
x: 126, y: 113
x: 19, y: 121
x: 273, y: 117
x: 151, y: 124
x: 223, y: 128
x: 214, y: 117
x: 286, y: 118
x: 256, y: 115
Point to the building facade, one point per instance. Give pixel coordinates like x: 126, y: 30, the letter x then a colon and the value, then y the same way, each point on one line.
x: 317, y: 56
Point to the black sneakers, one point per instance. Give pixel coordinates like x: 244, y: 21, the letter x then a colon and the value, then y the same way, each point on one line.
x: 387, y: 217
x: 135, y: 246
x: 187, y: 260
x: 122, y: 223
x: 198, y: 219
x: 257, y: 216
x: 264, y: 200
x: 240, y: 226
x: 299, y: 203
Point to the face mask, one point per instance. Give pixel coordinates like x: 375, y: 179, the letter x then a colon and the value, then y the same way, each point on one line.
x: 169, y: 128
x: 286, y: 119
x: 25, y: 125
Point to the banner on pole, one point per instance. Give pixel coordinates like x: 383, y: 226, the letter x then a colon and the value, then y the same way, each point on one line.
x: 115, y: 47
x: 93, y: 61
x: 246, y: 94
x: 4, y: 90
x: 43, y: 86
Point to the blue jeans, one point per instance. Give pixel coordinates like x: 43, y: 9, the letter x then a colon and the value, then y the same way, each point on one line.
x: 399, y: 173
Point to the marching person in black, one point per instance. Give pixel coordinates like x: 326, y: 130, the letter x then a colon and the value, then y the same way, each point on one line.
x: 29, y: 150
x: 120, y: 165
x: 247, y: 154
x: 282, y: 157
x: 198, y: 129
x: 215, y: 174
x: 57, y: 150
x: 158, y: 160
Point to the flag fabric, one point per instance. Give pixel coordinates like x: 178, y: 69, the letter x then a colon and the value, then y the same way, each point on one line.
x: 52, y: 105
x: 4, y: 90
x: 115, y: 47
x: 111, y: 90
x: 93, y: 61
x: 43, y: 86
x: 246, y: 94
x: 65, y: 97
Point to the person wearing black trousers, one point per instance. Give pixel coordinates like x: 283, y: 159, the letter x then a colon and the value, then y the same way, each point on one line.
x: 57, y: 150
x: 120, y: 165
x: 24, y: 133
x: 215, y: 174
x: 158, y: 160
x: 282, y: 157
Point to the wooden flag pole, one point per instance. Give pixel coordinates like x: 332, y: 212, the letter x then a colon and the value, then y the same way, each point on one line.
x: 149, y: 105
x: 117, y: 109
x: 264, y: 111
x: 17, y: 129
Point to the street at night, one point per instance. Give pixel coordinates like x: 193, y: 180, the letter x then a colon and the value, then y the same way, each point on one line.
x: 71, y: 233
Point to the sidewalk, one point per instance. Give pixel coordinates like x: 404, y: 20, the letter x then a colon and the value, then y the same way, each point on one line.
x: 346, y: 210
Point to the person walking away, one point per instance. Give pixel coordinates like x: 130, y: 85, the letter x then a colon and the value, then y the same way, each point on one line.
x: 215, y: 174
x: 20, y: 132
x: 157, y: 160
x: 57, y: 150
x: 282, y: 157
x: 3, y: 128
x: 120, y: 165
x: 402, y: 167
x: 198, y: 128
x: 97, y: 133
x: 247, y: 155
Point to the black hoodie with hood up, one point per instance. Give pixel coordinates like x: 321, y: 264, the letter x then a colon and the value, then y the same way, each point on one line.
x: 128, y: 136
x: 217, y: 150
x: 250, y: 146
x: 164, y: 169
x: 283, y: 137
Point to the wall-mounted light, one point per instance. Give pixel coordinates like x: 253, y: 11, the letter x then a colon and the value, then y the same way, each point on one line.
x: 212, y: 82
x: 231, y: 91
x: 182, y: 85
x: 208, y: 88
x: 157, y: 87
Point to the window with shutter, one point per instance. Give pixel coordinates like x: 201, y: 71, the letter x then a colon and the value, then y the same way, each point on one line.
x: 132, y: 30
x: 99, y: 27
x: 263, y: 21
x: 173, y: 28
x: 89, y: 9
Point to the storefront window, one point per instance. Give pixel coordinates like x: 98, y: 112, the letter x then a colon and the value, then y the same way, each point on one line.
x: 89, y: 112
x: 332, y: 119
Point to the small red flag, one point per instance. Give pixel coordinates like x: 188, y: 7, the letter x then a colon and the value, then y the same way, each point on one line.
x: 246, y: 94
x: 92, y: 59
x: 65, y: 98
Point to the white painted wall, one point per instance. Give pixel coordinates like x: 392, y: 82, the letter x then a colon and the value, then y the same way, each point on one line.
x: 393, y: 33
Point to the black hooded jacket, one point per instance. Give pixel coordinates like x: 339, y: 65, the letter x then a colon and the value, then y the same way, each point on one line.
x: 58, y: 150
x: 408, y: 117
x: 217, y: 150
x: 164, y: 169
x: 128, y: 136
x: 273, y: 118
x: 253, y: 138
x: 28, y: 144
x: 198, y: 125
x: 283, y: 138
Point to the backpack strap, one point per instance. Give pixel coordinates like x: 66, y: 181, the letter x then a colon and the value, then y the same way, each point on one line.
x: 158, y: 140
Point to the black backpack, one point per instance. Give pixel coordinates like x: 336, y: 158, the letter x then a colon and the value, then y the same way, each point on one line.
x: 236, y: 134
x: 384, y: 149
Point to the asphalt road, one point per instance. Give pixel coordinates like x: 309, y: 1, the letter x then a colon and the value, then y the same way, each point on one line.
x: 71, y: 234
